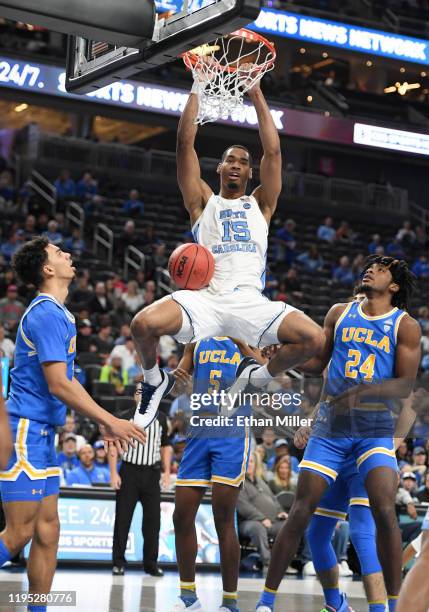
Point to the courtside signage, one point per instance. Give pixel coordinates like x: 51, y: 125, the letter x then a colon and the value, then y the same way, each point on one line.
x: 388, y: 138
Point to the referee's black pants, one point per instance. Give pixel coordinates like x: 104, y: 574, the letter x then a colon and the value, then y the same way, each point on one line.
x: 139, y: 483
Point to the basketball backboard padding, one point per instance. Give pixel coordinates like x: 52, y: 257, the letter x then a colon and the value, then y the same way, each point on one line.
x: 129, y: 22
x: 172, y: 38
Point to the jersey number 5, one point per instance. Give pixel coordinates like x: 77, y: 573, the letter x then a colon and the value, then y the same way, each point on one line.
x: 352, y: 365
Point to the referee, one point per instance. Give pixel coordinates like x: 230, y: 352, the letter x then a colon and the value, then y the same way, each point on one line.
x: 139, y: 480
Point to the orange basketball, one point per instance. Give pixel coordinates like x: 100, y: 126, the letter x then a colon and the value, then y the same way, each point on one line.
x: 191, y: 266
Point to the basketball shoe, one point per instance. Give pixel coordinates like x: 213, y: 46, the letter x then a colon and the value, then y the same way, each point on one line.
x: 151, y: 397
x: 180, y: 606
x: 344, y: 606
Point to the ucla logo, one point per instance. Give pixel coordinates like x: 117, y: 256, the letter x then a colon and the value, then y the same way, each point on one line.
x: 247, y: 205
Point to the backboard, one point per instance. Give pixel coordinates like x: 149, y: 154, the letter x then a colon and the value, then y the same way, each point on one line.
x: 93, y: 64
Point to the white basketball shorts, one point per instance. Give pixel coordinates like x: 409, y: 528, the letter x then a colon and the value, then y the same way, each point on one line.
x: 244, y: 314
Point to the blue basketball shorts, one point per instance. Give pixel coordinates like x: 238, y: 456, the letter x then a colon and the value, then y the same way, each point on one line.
x: 32, y: 471
x: 209, y: 460
x: 328, y: 456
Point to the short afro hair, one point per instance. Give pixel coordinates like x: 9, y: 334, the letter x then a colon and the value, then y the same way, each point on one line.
x: 29, y: 260
x: 237, y: 146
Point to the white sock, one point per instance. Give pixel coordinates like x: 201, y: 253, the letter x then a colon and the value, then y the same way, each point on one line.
x: 152, y: 376
x: 261, y: 376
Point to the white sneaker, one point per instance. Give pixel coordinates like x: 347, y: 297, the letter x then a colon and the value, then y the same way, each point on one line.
x: 151, y: 397
x: 263, y: 609
x: 308, y: 569
x: 344, y: 569
x: 179, y: 606
x: 291, y: 570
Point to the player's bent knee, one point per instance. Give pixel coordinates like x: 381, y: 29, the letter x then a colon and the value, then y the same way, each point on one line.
x: 384, y: 514
x: 47, y: 533
x: 182, y: 521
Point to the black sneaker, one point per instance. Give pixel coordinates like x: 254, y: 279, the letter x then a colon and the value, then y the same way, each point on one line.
x: 241, y: 384
x: 117, y: 570
x: 151, y: 397
x: 154, y: 571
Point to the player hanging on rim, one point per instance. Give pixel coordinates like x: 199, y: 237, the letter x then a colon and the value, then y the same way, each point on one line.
x: 42, y: 385
x: 234, y: 227
x: 373, y: 351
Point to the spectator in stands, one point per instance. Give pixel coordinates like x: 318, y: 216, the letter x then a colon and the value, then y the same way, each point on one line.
x: 406, y: 235
x: 358, y: 265
x: 419, y: 465
x: 285, y: 243
x: 423, y: 493
x: 421, y: 267
x: 326, y: 231
x: 284, y: 479
x: 281, y: 449
x: 124, y: 333
x: 404, y: 455
x: 11, y: 309
x: 9, y: 248
x: 87, y: 473
x: 42, y: 223
x: 132, y: 298
x: 7, y: 346
x: 115, y: 374
x: 67, y: 458
x: 101, y: 456
x: 311, y: 260
x: 421, y: 240
x: 135, y: 372
x: 65, y: 185
x: 82, y: 293
x: 29, y: 227
x: 268, y: 439
x: 293, y: 284
x: 100, y: 303
x: 71, y: 426
x: 260, y: 513
x: 133, y: 207
x: 75, y: 244
x: 52, y: 233
x: 345, y: 233
x: 343, y: 273
x: 281, y: 294
x: 160, y: 258
x: 84, y: 342
x: 103, y: 341
x: 374, y: 244
x: 409, y: 483
x: 167, y: 345
x: 129, y: 237
x: 126, y: 352
x: 86, y: 187
x: 149, y: 239
x: 394, y: 249
x: 423, y: 318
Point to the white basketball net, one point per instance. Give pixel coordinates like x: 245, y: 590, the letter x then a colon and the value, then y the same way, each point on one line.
x: 225, y: 70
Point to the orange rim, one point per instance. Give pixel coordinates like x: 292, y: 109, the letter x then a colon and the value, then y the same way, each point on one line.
x: 190, y: 58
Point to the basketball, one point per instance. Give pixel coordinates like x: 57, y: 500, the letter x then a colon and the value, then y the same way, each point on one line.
x: 191, y: 266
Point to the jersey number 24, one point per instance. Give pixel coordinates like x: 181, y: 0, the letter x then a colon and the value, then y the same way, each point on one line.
x: 353, y: 365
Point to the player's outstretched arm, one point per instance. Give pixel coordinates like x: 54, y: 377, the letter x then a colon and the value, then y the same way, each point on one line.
x: 270, y: 171
x: 5, y: 435
x: 318, y: 363
x: 71, y: 393
x: 194, y: 190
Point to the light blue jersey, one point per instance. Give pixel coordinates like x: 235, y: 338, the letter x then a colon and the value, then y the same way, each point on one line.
x: 47, y: 332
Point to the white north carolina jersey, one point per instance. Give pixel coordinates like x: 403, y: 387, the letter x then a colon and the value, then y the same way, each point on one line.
x: 236, y: 233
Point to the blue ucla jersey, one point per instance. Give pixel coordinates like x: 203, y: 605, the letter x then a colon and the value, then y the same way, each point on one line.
x: 215, y: 364
x: 364, y: 349
x: 47, y: 332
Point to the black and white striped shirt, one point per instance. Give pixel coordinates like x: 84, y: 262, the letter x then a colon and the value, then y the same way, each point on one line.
x: 150, y: 453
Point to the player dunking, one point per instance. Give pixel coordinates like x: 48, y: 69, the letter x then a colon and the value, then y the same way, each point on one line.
x: 373, y: 351
x: 214, y: 457
x: 42, y: 385
x: 234, y: 227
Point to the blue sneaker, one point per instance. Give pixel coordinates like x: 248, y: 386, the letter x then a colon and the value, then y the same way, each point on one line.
x: 151, y: 397
x: 344, y: 606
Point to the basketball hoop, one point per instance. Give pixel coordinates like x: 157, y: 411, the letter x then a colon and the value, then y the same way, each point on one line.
x: 226, y: 69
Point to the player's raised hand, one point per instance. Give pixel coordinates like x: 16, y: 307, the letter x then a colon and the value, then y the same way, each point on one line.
x: 182, y: 377
x: 301, y: 437
x: 250, y: 76
x: 122, y: 433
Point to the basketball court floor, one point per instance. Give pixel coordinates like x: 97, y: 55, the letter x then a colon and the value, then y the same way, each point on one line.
x: 99, y: 591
